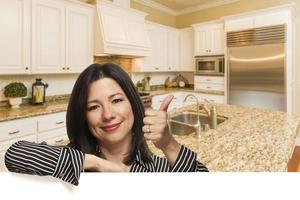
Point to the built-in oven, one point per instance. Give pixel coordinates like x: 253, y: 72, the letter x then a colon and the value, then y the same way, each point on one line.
x: 209, y: 65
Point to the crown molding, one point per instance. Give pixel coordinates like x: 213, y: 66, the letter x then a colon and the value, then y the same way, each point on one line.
x: 173, y: 12
x: 157, y: 6
x: 206, y: 6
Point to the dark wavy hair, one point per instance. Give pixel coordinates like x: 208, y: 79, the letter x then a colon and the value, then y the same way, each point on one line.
x: 78, y: 132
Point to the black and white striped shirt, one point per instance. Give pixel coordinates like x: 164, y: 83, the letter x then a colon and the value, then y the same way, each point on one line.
x: 66, y: 163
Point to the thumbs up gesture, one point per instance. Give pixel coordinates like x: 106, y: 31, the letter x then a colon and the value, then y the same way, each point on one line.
x: 155, y: 125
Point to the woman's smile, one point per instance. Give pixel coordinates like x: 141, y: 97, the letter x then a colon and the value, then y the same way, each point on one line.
x: 111, y: 128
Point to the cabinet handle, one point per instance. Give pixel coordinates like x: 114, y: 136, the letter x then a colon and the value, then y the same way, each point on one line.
x: 63, y: 68
x: 58, y: 141
x: 156, y: 68
x: 14, y: 132
x: 212, y: 100
x: 208, y: 80
x: 68, y: 68
x: 59, y: 122
x: 208, y: 87
x: 26, y: 68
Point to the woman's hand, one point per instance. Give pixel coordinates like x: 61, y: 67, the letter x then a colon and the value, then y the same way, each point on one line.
x: 94, y: 163
x: 156, y: 129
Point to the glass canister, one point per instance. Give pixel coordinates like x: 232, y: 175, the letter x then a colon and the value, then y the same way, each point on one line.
x: 38, y: 91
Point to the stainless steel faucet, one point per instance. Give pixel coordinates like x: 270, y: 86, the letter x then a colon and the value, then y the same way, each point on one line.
x: 197, y: 126
x: 211, y: 112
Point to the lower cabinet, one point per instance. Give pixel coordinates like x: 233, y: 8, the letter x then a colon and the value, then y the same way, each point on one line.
x: 4, y: 145
x: 50, y: 128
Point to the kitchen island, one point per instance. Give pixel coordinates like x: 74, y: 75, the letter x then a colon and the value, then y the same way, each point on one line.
x: 250, y: 140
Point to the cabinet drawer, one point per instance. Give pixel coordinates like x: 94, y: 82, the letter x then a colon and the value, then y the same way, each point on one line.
x: 53, y: 137
x: 6, y: 144
x: 212, y: 98
x: 50, y: 122
x: 206, y: 86
x: 209, y: 79
x: 17, y: 128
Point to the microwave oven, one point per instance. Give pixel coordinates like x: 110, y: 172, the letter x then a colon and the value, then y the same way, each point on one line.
x: 209, y: 65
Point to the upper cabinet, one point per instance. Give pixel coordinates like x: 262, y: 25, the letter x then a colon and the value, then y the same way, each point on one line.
x: 120, y: 31
x: 209, y: 38
x: 186, y: 50
x: 164, y: 55
x: 256, y: 19
x: 45, y: 36
x: 61, y: 37
x: 15, y: 36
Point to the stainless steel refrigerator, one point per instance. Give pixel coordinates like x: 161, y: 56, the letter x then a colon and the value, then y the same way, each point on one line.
x: 256, y: 68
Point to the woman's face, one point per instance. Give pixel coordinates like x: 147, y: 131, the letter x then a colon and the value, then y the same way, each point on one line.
x: 109, y: 113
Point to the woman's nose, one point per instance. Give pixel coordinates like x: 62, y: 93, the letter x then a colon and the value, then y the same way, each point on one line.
x: 108, y: 113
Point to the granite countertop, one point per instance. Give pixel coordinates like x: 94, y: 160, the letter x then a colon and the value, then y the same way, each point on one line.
x: 28, y: 110
x: 251, y: 140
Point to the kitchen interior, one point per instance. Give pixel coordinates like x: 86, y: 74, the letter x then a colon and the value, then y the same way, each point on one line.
x: 231, y: 65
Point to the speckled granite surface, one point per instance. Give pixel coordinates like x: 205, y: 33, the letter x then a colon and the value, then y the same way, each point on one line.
x: 28, y: 110
x: 250, y: 140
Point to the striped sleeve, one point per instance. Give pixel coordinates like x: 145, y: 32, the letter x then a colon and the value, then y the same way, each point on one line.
x: 41, y: 159
x: 186, y: 162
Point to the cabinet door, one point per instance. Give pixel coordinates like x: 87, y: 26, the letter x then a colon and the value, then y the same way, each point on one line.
x: 201, y: 42
x: 15, y: 36
x: 6, y: 144
x: 161, y: 49
x: 149, y: 61
x: 186, y: 49
x: 173, y: 50
x: 216, y: 45
x: 48, y: 36
x: 79, y: 32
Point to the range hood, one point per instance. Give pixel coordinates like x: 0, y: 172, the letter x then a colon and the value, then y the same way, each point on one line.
x: 120, y: 31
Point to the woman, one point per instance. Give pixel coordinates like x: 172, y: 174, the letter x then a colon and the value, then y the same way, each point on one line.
x: 107, y: 127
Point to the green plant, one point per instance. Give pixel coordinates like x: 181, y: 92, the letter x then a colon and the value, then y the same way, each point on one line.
x: 15, y: 89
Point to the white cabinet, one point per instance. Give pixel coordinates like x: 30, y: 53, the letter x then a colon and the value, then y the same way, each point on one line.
x: 164, y: 55
x: 15, y: 36
x: 209, y: 39
x: 48, y: 36
x: 173, y: 50
x: 61, y: 37
x: 4, y: 145
x: 255, y: 20
x: 79, y: 38
x: 50, y: 128
x: 214, y: 98
x: 216, y: 83
x: 186, y: 50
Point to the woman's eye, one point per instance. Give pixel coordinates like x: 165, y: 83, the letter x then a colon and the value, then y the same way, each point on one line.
x: 117, y: 100
x: 93, y: 107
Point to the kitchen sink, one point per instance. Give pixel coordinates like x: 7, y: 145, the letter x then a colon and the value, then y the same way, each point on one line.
x: 182, y: 124
x: 180, y: 128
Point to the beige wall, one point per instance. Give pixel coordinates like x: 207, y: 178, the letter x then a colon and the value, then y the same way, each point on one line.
x: 155, y: 15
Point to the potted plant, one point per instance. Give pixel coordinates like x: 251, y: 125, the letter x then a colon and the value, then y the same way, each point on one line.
x: 14, y: 92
